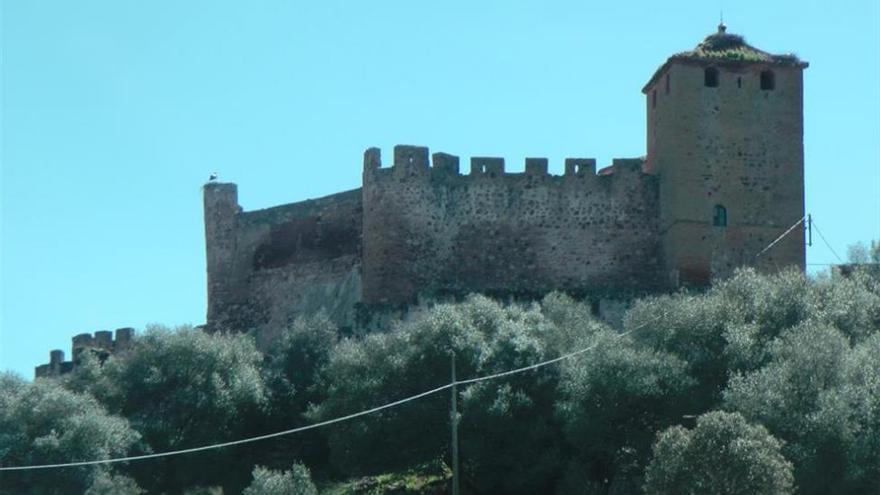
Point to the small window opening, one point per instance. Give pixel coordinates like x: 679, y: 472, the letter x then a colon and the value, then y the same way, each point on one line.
x: 654, y: 99
x: 710, y: 77
x: 719, y: 216
x: 739, y: 82
x: 768, y: 80
x: 667, y: 84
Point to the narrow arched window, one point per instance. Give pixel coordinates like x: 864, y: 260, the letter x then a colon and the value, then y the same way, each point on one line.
x: 768, y: 80
x: 710, y: 77
x: 667, y: 83
x: 654, y: 99
x: 719, y: 216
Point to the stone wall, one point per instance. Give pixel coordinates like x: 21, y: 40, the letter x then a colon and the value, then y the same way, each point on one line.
x: 102, y: 344
x: 428, y: 230
x: 735, y: 145
x: 267, y: 266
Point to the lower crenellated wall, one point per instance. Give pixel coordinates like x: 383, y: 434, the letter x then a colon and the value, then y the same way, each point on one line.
x: 102, y: 344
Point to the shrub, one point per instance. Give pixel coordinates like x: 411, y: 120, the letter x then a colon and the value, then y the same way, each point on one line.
x: 724, y: 455
x: 297, y: 481
x: 185, y: 388
x: 43, y: 423
x: 415, y: 356
x: 612, y: 401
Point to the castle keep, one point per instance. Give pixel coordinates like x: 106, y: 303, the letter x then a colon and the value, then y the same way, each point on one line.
x: 722, y: 178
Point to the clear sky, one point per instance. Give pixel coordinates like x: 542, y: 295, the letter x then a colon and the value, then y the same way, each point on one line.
x: 115, y: 112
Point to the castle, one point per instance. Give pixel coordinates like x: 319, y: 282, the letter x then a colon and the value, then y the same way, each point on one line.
x: 723, y: 178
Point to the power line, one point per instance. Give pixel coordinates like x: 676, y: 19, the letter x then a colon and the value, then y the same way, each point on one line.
x: 234, y: 442
x: 780, y: 237
x: 322, y: 423
x: 827, y: 244
x: 549, y: 362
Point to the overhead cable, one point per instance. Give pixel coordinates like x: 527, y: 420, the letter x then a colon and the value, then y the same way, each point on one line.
x: 322, y: 423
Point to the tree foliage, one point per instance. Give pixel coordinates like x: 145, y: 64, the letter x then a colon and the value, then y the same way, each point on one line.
x: 293, y: 363
x: 613, y: 400
x: 724, y: 455
x: 185, y: 388
x: 847, y: 421
x: 800, y: 396
x: 43, y: 423
x: 415, y: 356
x: 291, y: 367
x: 787, y: 358
x: 296, y: 481
x: 106, y: 482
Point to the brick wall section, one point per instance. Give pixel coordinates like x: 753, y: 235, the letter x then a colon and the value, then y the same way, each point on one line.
x: 429, y: 230
x: 267, y: 266
x: 735, y: 145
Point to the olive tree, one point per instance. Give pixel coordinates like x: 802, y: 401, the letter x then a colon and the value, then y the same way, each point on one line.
x: 514, y: 415
x: 723, y: 454
x: 185, y: 388
x: 296, y: 481
x: 612, y: 400
x: 43, y: 423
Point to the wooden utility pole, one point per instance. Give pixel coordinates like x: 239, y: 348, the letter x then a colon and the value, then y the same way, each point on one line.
x: 453, y: 416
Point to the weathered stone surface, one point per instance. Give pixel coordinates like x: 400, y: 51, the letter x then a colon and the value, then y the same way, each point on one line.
x: 507, y: 232
x: 420, y: 230
x: 102, y: 344
x: 734, y: 145
x: 268, y: 266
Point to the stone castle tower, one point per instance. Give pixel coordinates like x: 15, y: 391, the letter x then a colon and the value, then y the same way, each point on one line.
x: 725, y: 139
x: 722, y: 178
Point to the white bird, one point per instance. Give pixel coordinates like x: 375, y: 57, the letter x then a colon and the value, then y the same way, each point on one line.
x: 212, y: 177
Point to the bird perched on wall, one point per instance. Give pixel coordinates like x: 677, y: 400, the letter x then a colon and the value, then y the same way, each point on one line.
x: 212, y: 177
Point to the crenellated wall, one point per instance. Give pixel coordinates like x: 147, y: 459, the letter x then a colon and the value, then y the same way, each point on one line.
x: 102, y: 344
x: 429, y: 230
x: 722, y: 178
x: 421, y: 229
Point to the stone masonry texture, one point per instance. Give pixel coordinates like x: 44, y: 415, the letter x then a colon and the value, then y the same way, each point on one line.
x: 724, y: 133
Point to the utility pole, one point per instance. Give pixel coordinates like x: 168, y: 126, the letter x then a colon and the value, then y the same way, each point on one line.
x: 453, y: 416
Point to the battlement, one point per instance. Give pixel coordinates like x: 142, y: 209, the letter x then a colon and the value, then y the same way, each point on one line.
x: 101, y: 343
x: 411, y: 161
x: 429, y: 228
x: 428, y: 225
x: 422, y: 226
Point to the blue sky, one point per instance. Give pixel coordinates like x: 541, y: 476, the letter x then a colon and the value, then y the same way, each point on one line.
x: 115, y: 112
